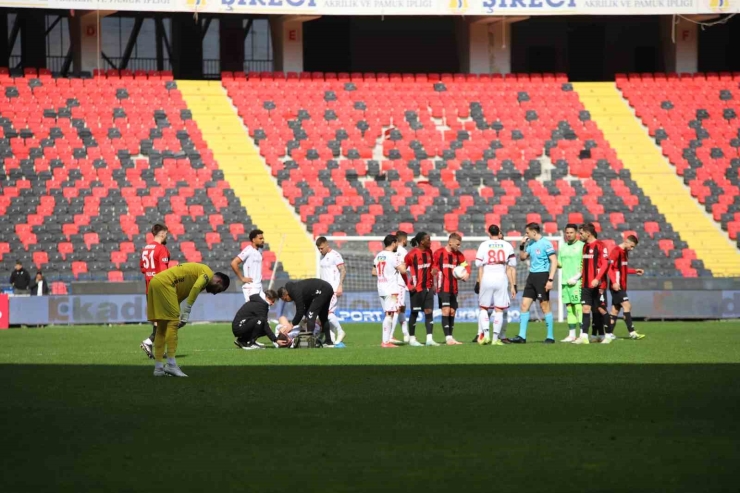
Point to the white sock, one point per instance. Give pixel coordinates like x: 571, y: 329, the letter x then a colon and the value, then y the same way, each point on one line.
x: 148, y: 341
x: 412, y: 338
x: 403, y: 322
x: 171, y: 362
x: 572, y: 333
x: 335, y: 326
x: 387, y: 328
x: 498, y: 322
x: 504, y: 324
x: 483, y: 321
x: 448, y: 338
x: 395, y: 322
x: 158, y: 365
x: 429, y: 337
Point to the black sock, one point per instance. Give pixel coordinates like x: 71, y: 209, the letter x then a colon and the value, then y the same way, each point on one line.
x: 446, y: 325
x: 612, y: 323
x: 412, y: 323
x: 628, y: 321
x: 429, y: 322
x: 452, y: 324
x: 585, y: 323
x: 598, y: 323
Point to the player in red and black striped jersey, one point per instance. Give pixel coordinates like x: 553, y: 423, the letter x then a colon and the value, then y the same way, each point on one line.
x: 154, y: 259
x: 445, y: 261
x: 420, y: 282
x: 593, y: 274
x: 619, y: 270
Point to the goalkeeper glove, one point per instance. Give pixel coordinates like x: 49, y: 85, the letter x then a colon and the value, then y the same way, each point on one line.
x: 185, y: 314
x: 573, y: 281
x: 476, y: 289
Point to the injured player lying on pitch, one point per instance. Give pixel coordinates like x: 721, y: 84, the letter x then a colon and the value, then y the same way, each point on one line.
x: 298, y: 336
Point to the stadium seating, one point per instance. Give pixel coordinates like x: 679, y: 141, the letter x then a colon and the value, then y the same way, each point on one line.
x: 89, y: 165
x: 361, y: 154
x: 695, y: 118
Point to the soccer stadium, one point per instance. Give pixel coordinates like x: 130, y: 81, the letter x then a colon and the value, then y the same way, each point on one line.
x: 454, y: 244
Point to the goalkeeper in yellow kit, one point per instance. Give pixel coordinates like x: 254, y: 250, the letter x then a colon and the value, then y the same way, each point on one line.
x: 167, y: 290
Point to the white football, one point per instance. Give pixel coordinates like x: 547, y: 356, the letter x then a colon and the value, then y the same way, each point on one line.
x: 459, y: 272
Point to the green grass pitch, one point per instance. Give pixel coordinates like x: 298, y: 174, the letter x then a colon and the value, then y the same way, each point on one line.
x: 81, y: 412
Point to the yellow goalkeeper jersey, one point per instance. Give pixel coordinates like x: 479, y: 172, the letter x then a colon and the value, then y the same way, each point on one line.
x: 188, y: 279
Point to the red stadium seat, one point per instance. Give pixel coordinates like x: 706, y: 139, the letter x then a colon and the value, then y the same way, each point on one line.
x: 115, y: 276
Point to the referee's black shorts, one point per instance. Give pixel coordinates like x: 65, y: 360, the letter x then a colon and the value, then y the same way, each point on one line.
x: 535, y: 288
x: 422, y: 300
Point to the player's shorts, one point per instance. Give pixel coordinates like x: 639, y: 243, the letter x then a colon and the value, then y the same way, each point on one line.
x: 403, y: 292
x: 249, y: 290
x: 422, y: 300
x: 494, y: 293
x: 161, y: 301
x: 619, y: 297
x: 389, y: 303
x: 447, y: 300
x: 593, y: 297
x: 571, y: 295
x: 535, y: 287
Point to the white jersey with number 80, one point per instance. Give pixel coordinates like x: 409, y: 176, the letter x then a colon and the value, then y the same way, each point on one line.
x: 494, y: 256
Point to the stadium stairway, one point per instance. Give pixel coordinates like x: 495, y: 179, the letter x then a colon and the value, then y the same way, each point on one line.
x: 656, y: 177
x: 248, y: 176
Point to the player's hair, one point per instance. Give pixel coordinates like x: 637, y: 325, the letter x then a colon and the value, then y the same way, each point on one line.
x: 533, y: 227
x: 494, y: 230
x: 401, y: 234
x: 455, y: 236
x: 272, y: 294
x: 590, y: 228
x: 282, y: 291
x: 632, y: 238
x: 321, y: 240
x: 255, y: 233
x: 223, y: 279
x: 389, y: 240
x: 571, y: 226
x: 416, y: 240
x: 157, y: 228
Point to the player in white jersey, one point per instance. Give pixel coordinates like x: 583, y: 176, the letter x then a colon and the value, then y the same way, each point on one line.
x: 333, y: 271
x: 403, y: 290
x: 496, y: 262
x: 251, y: 257
x: 387, y: 269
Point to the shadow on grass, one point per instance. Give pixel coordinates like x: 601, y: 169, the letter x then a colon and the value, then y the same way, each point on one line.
x: 371, y: 428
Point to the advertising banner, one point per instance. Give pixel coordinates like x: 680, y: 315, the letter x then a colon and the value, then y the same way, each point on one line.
x: 352, y: 308
x: 399, y: 7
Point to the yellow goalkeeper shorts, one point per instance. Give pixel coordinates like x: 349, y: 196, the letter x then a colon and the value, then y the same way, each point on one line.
x: 161, y: 302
